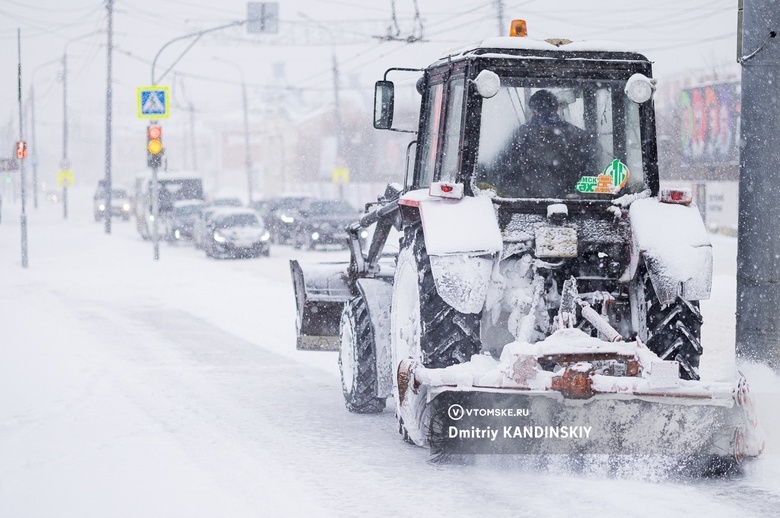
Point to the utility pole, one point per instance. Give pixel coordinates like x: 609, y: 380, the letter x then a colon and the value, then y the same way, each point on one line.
x: 337, y: 118
x: 65, y: 165
x: 21, y: 159
x: 110, y: 7
x: 758, y: 249
x: 247, y: 151
x: 500, y: 16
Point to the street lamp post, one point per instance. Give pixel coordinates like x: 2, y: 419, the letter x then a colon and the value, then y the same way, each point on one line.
x: 65, y: 163
x: 247, y: 149
x: 35, y: 156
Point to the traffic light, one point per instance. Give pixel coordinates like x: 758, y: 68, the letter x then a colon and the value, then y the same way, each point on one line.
x: 154, y: 146
x: 21, y: 149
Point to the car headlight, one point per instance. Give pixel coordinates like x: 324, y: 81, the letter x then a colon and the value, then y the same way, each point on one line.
x: 363, y: 234
x: 101, y: 207
x: 315, y: 236
x: 126, y: 207
x: 287, y: 219
x: 219, y: 238
x: 266, y: 236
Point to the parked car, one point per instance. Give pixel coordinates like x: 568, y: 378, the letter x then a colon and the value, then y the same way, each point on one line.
x: 181, y: 223
x: 234, y: 232
x: 279, y: 216
x: 322, y: 222
x: 120, y: 203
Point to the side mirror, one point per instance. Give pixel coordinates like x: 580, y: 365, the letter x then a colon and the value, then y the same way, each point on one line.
x: 384, y: 94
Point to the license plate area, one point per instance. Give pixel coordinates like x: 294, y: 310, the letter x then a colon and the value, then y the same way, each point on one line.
x: 556, y: 242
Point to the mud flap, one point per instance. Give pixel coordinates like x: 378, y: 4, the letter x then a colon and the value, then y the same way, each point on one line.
x: 320, y: 295
x: 378, y: 295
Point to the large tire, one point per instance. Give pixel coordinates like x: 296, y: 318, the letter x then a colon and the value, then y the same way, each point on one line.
x: 672, y: 331
x: 447, y: 336
x: 357, y: 359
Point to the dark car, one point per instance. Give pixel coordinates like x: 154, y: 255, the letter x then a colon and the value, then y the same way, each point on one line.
x: 323, y: 222
x: 120, y: 203
x: 181, y: 222
x: 279, y: 216
x: 223, y: 201
x: 233, y: 233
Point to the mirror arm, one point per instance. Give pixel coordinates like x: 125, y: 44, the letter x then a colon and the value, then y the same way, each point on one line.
x: 402, y: 70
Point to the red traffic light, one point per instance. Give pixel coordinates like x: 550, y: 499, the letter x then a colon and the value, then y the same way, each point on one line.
x: 154, y: 132
x: 21, y: 149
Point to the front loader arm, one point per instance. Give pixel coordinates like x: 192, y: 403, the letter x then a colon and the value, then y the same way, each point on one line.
x: 386, y: 217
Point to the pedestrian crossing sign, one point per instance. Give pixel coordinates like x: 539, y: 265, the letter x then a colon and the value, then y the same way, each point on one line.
x: 154, y: 102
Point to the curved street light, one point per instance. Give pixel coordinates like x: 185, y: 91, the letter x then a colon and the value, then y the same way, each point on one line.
x: 247, y: 150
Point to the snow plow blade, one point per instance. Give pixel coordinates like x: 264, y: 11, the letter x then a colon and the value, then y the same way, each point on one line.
x: 320, y: 295
x: 601, y: 398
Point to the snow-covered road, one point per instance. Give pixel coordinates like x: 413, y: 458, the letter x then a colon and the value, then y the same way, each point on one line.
x: 130, y: 387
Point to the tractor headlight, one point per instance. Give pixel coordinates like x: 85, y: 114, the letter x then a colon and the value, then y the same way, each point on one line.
x: 363, y: 234
x: 287, y: 219
x: 101, y: 207
x: 219, y: 238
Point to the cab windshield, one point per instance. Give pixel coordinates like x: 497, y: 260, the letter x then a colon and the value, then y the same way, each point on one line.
x: 557, y: 139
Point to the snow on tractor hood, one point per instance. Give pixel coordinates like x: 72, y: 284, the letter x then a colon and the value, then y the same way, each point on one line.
x: 674, y: 243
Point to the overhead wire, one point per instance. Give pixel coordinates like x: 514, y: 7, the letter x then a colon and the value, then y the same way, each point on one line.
x: 27, y: 5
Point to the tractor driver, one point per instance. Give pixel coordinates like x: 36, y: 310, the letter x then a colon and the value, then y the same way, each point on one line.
x: 545, y: 157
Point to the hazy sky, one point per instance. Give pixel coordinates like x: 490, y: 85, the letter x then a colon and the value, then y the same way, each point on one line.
x: 679, y: 35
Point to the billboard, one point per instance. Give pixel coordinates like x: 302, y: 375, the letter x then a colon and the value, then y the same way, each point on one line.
x: 709, y: 124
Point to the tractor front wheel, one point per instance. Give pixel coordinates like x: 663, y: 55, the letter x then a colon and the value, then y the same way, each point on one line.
x: 357, y: 360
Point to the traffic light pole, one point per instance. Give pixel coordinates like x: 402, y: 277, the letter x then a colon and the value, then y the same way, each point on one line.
x: 21, y: 160
x: 155, y: 214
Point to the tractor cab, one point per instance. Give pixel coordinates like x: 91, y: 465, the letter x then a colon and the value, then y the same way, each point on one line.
x: 527, y: 119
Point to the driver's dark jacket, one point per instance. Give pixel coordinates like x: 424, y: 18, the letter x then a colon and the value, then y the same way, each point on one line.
x: 544, y: 159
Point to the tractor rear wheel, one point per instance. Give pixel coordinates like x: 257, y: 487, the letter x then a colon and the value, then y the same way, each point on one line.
x: 357, y: 360
x: 447, y: 336
x: 672, y: 331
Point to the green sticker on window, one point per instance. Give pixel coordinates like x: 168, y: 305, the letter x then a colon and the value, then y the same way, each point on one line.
x: 611, y: 180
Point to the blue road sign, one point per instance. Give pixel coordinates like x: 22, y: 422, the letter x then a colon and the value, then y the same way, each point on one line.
x: 153, y: 102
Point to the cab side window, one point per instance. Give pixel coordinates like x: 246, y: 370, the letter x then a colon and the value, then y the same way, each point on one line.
x: 451, y: 144
x: 431, y: 135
